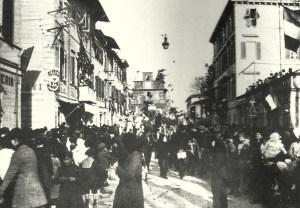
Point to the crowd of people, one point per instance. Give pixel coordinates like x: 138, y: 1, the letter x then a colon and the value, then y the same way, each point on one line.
x: 259, y: 163
x: 69, y: 167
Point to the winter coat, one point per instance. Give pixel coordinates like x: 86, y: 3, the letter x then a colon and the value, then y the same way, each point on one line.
x: 163, y: 146
x: 69, y: 192
x: 28, y: 191
x: 88, y: 176
x: 100, y: 167
x: 129, y: 193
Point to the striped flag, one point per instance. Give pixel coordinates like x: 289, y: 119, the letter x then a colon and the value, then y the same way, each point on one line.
x: 291, y: 20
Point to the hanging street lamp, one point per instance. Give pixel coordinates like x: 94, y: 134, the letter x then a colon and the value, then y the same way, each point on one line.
x: 165, y: 44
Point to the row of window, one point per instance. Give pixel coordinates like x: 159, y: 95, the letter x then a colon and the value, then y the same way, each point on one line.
x: 6, y: 80
x: 226, y: 59
x: 227, y: 90
x: 105, y: 91
x: 225, y: 32
x: 61, y: 62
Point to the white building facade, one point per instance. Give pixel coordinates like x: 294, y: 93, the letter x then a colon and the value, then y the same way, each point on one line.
x: 248, y: 45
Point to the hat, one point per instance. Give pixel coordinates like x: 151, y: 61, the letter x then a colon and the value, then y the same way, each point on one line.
x: 275, y: 136
x: 101, y: 146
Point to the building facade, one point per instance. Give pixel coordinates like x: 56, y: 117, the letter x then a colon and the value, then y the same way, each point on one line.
x: 248, y: 45
x: 62, y: 82
x: 10, y: 67
x: 149, y: 94
x: 195, y: 107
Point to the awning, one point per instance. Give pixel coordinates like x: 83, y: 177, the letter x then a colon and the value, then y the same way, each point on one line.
x: 111, y: 42
x: 66, y: 100
x: 93, y: 109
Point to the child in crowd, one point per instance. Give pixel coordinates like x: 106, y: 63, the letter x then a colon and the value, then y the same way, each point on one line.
x: 68, y: 178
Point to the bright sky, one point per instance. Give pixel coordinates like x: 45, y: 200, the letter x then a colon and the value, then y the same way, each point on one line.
x: 137, y: 26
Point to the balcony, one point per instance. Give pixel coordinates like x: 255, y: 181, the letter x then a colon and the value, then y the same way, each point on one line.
x: 86, y: 94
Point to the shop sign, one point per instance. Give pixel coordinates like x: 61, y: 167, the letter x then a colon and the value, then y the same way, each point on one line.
x: 53, y: 80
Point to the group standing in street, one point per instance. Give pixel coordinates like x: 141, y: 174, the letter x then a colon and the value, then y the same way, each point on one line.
x: 69, y: 167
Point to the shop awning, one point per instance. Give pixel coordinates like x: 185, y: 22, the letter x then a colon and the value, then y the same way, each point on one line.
x: 66, y: 100
x: 93, y: 109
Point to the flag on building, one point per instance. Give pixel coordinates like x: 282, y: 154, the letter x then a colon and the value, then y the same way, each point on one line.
x: 273, y: 103
x: 291, y: 19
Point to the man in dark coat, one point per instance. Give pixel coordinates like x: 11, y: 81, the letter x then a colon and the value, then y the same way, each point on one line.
x: 219, y: 173
x: 180, y: 143
x: 101, y: 165
x: 148, y: 148
x: 163, y: 151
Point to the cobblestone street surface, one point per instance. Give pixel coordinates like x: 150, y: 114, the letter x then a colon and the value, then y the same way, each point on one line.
x: 173, y: 192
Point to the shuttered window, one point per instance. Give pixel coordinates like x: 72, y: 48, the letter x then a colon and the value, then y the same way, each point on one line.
x: 73, y: 70
x: 243, y: 50
x: 97, y: 86
x: 258, y: 51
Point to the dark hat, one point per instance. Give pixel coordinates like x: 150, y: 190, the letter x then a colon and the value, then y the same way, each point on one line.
x: 101, y: 146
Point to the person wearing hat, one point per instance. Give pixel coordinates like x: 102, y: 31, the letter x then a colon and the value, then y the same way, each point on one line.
x: 101, y: 165
x: 129, y: 193
x: 23, y: 168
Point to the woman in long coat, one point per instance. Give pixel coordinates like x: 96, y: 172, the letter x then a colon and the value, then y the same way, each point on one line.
x: 129, y: 193
x: 28, y: 191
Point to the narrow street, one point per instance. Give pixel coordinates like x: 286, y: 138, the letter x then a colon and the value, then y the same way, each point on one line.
x: 190, y: 192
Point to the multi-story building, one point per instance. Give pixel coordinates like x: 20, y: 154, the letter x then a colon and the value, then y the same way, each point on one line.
x: 195, y: 106
x: 149, y: 94
x: 111, y: 80
x: 248, y: 45
x: 10, y: 67
x: 62, y: 82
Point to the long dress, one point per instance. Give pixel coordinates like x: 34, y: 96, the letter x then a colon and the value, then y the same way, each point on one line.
x: 129, y: 193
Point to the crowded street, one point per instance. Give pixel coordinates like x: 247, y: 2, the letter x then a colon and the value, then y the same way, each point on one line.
x: 149, y: 104
x: 175, y: 193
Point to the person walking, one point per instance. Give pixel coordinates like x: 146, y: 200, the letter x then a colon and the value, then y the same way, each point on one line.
x: 163, y: 151
x: 101, y: 166
x: 219, y: 171
x: 129, y: 193
x: 28, y: 191
x: 148, y: 148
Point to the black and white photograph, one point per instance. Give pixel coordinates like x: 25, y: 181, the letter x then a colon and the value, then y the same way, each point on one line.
x: 149, y: 104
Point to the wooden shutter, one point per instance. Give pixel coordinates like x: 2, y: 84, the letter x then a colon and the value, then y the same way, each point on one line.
x: 258, y: 50
x: 243, y: 50
x: 97, y: 86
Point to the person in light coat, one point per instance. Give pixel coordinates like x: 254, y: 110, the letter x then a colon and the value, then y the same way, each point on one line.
x: 28, y: 191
